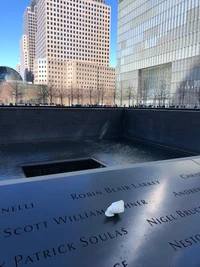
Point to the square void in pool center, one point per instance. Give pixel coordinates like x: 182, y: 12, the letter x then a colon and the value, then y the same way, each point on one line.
x: 48, y: 168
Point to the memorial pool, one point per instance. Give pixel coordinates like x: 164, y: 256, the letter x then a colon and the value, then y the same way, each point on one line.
x: 111, y: 153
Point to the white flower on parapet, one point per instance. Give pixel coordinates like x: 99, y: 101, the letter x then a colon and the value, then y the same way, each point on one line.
x: 115, y: 208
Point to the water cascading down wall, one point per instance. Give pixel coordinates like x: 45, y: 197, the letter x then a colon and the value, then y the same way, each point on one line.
x: 177, y: 129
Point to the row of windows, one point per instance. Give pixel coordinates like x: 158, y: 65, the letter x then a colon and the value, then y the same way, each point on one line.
x: 81, y: 6
x: 83, y: 36
x: 90, y: 28
x: 77, y: 51
x: 84, y: 40
x: 177, y: 7
x: 187, y: 45
x: 85, y: 45
x: 71, y: 20
x: 78, y: 32
x: 82, y: 72
x: 78, y: 47
x: 93, y: 54
x: 76, y: 58
x: 93, y: 66
x: 86, y: 19
x: 82, y: 13
x: 59, y: 17
x: 156, y: 60
x: 42, y: 61
x: 80, y: 10
x: 159, y: 25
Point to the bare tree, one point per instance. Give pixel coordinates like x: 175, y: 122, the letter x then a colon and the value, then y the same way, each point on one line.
x: 131, y: 95
x: 68, y: 95
x: 51, y: 93
x: 1, y: 86
x: 120, y: 94
x: 155, y: 95
x: 62, y: 93
x: 182, y: 92
x: 102, y: 94
x: 78, y: 95
x: 1, y: 90
x: 42, y: 93
x: 97, y: 95
x: 164, y: 92
x: 115, y: 94
x: 30, y: 95
x: 110, y: 97
x: 197, y: 94
x: 90, y: 95
x: 72, y: 91
x: 160, y: 95
x: 145, y: 92
x: 16, y: 90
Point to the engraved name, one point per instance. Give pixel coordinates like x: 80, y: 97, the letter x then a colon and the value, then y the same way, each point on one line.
x: 43, y: 255
x: 189, y: 176
x: 169, y: 217
x: 91, y: 214
x: 15, y: 208
x: 8, y: 232
x: 187, y: 192
x: 109, y: 190
x: 92, y: 240
x: 185, y: 243
x: 65, y: 248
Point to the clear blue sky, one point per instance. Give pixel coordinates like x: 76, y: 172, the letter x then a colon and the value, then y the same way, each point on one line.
x: 11, y: 15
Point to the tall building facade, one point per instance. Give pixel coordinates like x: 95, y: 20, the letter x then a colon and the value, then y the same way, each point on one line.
x: 18, y: 67
x: 158, y: 49
x: 27, y: 42
x: 24, y: 56
x: 71, y: 32
x: 92, y: 82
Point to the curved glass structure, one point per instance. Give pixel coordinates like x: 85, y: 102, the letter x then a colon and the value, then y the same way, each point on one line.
x: 7, y: 73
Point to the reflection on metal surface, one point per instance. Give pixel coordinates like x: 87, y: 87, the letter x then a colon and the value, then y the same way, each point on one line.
x: 64, y: 216
x: 158, y: 196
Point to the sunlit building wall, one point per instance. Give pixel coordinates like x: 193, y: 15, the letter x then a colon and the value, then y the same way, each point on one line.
x: 18, y: 67
x: 158, y: 44
x: 27, y: 43
x: 94, y: 80
x: 40, y: 70
x: 24, y: 56
x: 69, y: 31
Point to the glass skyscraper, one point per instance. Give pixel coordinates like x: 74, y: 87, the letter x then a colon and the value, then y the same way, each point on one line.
x: 158, y: 49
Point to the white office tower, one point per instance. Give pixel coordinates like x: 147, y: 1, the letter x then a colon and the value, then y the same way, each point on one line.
x: 73, y: 44
x: 27, y: 42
